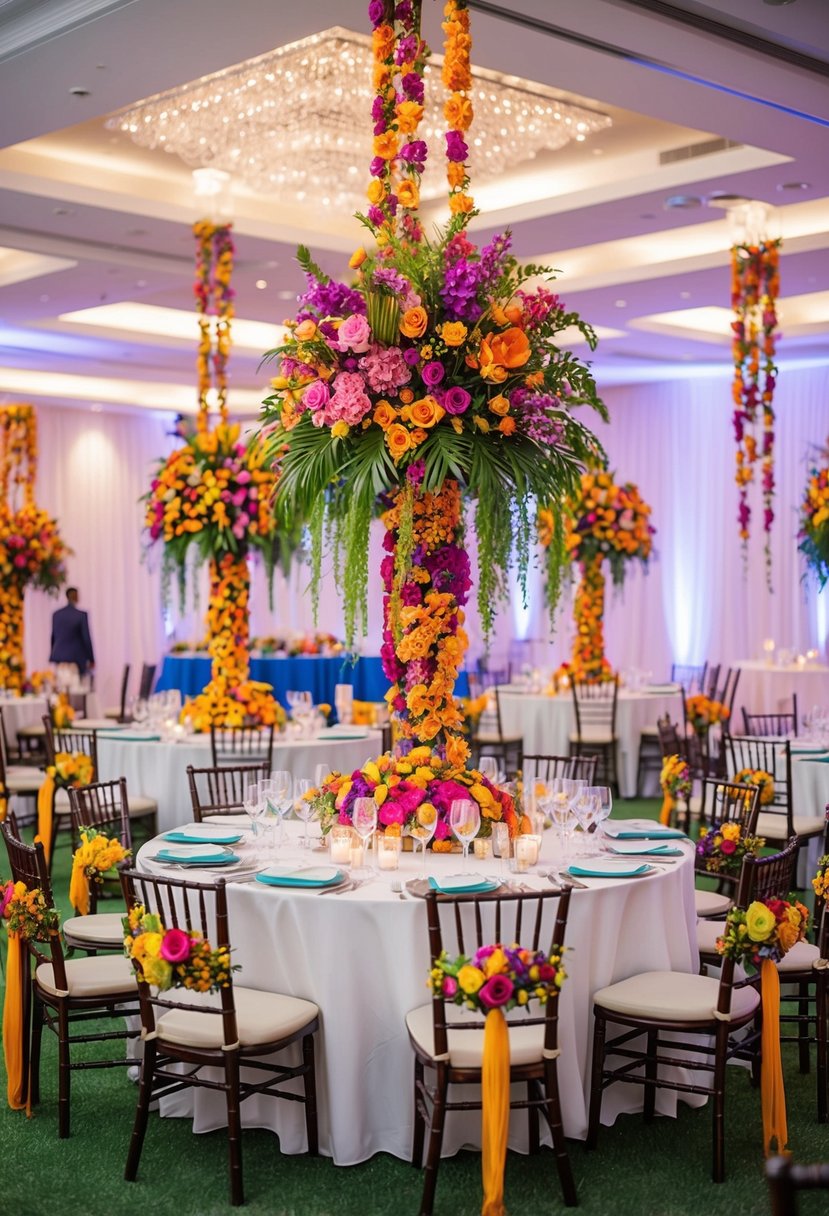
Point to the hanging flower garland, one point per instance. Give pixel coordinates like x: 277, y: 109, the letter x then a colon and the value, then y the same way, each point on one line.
x: 437, y: 366
x: 212, y: 498
x: 755, y: 286
x: 607, y: 521
x: 32, y: 553
x: 814, y: 518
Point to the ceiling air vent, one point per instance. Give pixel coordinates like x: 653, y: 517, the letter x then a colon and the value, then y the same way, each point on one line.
x: 691, y: 151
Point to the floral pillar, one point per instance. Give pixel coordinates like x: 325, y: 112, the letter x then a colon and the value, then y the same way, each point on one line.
x: 228, y: 622
x: 426, y: 580
x: 589, y: 662
x: 12, y: 669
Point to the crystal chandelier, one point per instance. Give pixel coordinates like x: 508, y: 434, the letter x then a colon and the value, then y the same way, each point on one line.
x: 294, y: 122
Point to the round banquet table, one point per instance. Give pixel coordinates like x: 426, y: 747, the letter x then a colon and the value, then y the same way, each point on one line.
x: 159, y: 770
x: 19, y: 712
x: 362, y: 956
x: 767, y: 689
x: 546, y: 723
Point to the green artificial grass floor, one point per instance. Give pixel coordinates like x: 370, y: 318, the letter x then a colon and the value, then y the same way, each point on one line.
x: 661, y: 1169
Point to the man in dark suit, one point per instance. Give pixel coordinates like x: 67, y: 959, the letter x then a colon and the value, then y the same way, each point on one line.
x: 71, y: 642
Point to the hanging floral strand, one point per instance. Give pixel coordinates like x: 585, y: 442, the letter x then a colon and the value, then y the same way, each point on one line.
x: 214, y: 298
x: 755, y: 285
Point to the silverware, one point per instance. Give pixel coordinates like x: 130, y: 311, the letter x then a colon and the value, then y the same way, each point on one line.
x: 567, y: 880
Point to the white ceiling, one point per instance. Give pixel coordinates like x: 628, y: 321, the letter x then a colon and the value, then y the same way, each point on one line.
x: 88, y: 219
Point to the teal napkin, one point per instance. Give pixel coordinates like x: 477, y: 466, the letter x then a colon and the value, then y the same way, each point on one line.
x: 300, y: 878
x: 484, y: 884
x: 219, y: 858
x: 586, y: 871
x: 217, y: 837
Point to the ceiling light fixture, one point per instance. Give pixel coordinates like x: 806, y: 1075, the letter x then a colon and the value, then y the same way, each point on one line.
x: 295, y: 121
x: 794, y: 186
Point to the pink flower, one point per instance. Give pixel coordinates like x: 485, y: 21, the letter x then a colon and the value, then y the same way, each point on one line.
x: 350, y: 402
x: 354, y: 334
x: 449, y: 986
x: 316, y: 396
x: 5, y: 897
x: 728, y: 846
x: 386, y: 370
x: 456, y: 400
x: 496, y: 991
x: 175, y: 946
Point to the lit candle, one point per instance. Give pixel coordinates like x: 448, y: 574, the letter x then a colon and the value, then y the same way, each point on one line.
x: 341, y: 841
x: 388, y: 852
x: 768, y: 647
x: 482, y: 846
x: 526, y: 852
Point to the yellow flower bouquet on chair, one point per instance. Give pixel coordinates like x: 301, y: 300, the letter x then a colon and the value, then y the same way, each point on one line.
x: 96, y: 855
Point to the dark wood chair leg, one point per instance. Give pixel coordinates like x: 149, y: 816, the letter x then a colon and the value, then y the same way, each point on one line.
x: 650, y: 1076
x: 803, y: 1026
x: 430, y: 1179
x: 234, y: 1128
x: 553, y: 1110
x: 34, y: 1051
x: 821, y: 1031
x: 311, y: 1127
x: 599, y: 1031
x: 419, y: 1127
x: 64, y: 1074
x: 532, y: 1119
x: 718, y: 1106
x: 142, y: 1111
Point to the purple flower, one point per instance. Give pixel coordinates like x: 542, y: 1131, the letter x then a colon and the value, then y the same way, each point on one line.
x: 456, y: 400
x: 411, y: 355
x: 375, y: 216
x: 376, y: 10
x: 406, y: 49
x: 377, y: 168
x: 331, y: 299
x: 433, y: 373
x: 496, y: 991
x: 413, y: 87
x: 403, y: 12
x: 387, y: 276
x: 456, y: 148
x: 416, y: 472
x: 415, y: 154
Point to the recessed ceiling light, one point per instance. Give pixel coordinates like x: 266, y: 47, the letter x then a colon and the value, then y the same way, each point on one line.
x: 794, y: 186
x: 621, y: 303
x: 648, y: 215
x: 97, y: 408
x: 777, y: 3
x: 44, y: 299
x: 685, y: 295
x: 62, y: 211
x: 140, y: 282
x: 261, y: 284
x: 286, y: 295
x: 721, y: 198
x: 79, y: 91
x: 682, y: 202
x: 136, y: 232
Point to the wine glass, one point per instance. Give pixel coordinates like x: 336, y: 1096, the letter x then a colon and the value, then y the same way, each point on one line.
x: 423, y: 829
x: 488, y: 767
x: 364, y: 822
x: 605, y: 797
x: 254, y: 804
x: 303, y: 807
x: 563, y: 792
x: 277, y: 789
x: 465, y: 821
x: 586, y: 809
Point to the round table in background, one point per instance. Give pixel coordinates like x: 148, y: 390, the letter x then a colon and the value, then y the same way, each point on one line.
x: 767, y: 689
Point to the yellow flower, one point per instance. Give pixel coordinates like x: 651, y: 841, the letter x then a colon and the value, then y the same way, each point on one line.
x: 453, y: 333
x: 496, y: 963
x: 760, y: 921
x: 470, y: 978
x: 359, y: 255
x: 340, y: 429
x: 398, y: 440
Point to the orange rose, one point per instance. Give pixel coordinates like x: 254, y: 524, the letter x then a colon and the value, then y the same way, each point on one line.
x: 425, y: 412
x: 385, y: 145
x: 457, y: 751
x: 398, y: 440
x: 457, y: 110
x: 499, y: 405
x: 380, y: 77
x: 511, y: 349
x: 408, y: 115
x: 418, y: 436
x: 453, y: 332
x: 382, y: 41
x: 413, y: 322
x: 376, y: 191
x: 384, y: 415
x: 459, y: 204
x: 455, y: 174
x: 305, y: 331
x: 408, y: 195
x: 506, y: 426
x: 513, y: 313
x: 406, y: 395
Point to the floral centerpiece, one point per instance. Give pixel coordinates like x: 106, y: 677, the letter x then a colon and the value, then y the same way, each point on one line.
x: 760, y: 935
x: 814, y: 518
x: 174, y: 958
x: 61, y: 711
x: 95, y: 856
x: 415, y: 788
x: 675, y: 782
x: 704, y: 712
x: 606, y: 521
x: 721, y: 850
x: 32, y: 553
x: 209, y: 501
x: 435, y: 375
x: 758, y: 777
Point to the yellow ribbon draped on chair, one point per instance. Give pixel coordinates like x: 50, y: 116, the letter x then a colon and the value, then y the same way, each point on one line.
x: 494, y: 1111
x: 13, y: 1028
x: 79, y: 886
x: 668, y: 805
x: 772, y: 1090
x: 45, y: 810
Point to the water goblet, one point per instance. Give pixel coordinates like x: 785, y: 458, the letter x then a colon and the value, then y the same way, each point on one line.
x: 320, y: 773
x: 465, y: 821
x: 423, y: 829
x: 303, y: 807
x: 488, y: 768
x: 254, y: 804
x: 586, y: 809
x: 605, y: 797
x: 364, y: 822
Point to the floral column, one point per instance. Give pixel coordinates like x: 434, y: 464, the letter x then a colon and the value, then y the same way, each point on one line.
x: 12, y: 666
x: 426, y: 580
x: 589, y: 662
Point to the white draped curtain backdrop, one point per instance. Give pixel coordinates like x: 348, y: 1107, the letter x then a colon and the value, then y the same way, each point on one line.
x: 674, y: 439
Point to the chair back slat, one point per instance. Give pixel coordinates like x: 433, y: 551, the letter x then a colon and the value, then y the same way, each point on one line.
x: 102, y: 805
x: 689, y: 677
x: 548, y: 768
x: 220, y: 790
x: 730, y: 802
x: 595, y: 705
x: 782, y: 724
x: 773, y: 756
x: 242, y: 745
x: 145, y: 684
x: 28, y: 865
x: 71, y: 741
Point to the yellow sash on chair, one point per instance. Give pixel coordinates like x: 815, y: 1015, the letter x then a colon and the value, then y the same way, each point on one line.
x: 79, y: 886
x: 494, y: 1111
x: 13, y: 1028
x: 45, y: 814
x: 4, y: 804
x: 668, y: 805
x: 772, y: 1090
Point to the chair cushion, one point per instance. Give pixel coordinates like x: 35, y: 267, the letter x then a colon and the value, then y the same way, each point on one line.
x: 23, y: 780
x: 495, y: 739
x: 99, y: 928
x: 801, y: 957
x: 261, y: 1017
x: 103, y: 976
x: 466, y: 1046
x: 707, y: 933
x: 673, y: 996
x: 711, y: 903
x: 773, y: 826
x: 141, y: 804
x: 594, y: 734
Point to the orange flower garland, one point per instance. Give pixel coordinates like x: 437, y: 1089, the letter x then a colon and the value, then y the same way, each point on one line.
x: 457, y: 109
x: 588, y: 661
x: 755, y: 286
x: 214, y: 296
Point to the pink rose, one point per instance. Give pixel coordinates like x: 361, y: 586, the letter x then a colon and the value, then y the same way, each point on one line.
x: 449, y: 986
x: 175, y: 946
x: 496, y: 991
x: 354, y: 334
x: 728, y: 847
x: 5, y: 897
x: 456, y: 400
x: 316, y: 395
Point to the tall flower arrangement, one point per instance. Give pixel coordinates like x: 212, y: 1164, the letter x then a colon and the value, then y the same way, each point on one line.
x: 755, y: 286
x: 32, y: 553
x: 607, y: 521
x: 210, y: 500
x: 814, y: 518
x: 437, y: 368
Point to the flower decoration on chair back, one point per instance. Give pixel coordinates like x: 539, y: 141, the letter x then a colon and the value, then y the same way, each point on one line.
x: 760, y: 778
x: 722, y: 849
x: 814, y: 518
x: 435, y: 374
x: 173, y: 957
x: 704, y: 712
x: 32, y: 553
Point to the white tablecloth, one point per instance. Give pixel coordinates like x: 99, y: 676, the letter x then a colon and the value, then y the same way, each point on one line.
x: 19, y: 712
x: 159, y: 770
x: 546, y: 724
x: 765, y: 689
x: 363, y: 957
